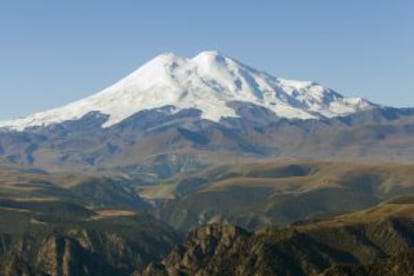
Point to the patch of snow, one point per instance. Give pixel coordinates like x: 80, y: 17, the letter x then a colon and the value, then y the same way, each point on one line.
x: 206, y: 82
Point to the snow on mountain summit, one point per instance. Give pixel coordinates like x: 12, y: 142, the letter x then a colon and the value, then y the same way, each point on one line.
x: 207, y: 82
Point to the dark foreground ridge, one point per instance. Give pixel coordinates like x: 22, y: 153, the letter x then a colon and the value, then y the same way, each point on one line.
x: 380, y: 248
x: 376, y: 241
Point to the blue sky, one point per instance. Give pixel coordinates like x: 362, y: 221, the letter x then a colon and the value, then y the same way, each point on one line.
x: 54, y: 52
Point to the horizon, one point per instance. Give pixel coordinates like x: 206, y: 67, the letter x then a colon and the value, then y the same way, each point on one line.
x: 53, y: 54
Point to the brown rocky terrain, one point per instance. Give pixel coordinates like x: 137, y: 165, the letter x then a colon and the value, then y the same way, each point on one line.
x: 379, y: 243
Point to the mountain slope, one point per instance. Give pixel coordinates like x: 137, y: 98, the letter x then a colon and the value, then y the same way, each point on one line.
x: 209, y: 82
x: 176, y: 115
x: 255, y: 194
x: 361, y: 244
x: 160, y: 144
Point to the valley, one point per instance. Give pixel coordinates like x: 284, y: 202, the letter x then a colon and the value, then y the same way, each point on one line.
x: 63, y: 230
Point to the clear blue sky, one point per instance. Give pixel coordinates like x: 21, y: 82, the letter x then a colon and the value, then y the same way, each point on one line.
x: 54, y: 52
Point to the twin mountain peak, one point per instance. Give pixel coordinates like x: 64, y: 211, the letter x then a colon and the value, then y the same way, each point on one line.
x: 209, y: 82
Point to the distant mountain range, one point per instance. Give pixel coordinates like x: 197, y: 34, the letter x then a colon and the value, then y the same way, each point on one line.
x: 176, y: 114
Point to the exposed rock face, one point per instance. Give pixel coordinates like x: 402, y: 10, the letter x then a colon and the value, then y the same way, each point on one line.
x: 336, y: 250
x: 210, y: 250
x: 205, y: 248
x: 384, y: 247
x: 62, y: 256
x: 79, y: 252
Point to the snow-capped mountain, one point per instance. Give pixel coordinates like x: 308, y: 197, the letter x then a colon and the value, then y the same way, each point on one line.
x: 208, y: 82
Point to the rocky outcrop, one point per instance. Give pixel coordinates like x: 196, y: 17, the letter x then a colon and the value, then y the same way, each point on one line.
x: 362, y: 249
x: 77, y: 251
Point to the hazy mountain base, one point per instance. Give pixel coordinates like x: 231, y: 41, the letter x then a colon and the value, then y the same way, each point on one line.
x: 156, y: 144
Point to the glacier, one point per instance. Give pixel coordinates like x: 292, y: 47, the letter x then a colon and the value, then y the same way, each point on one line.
x: 208, y: 82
